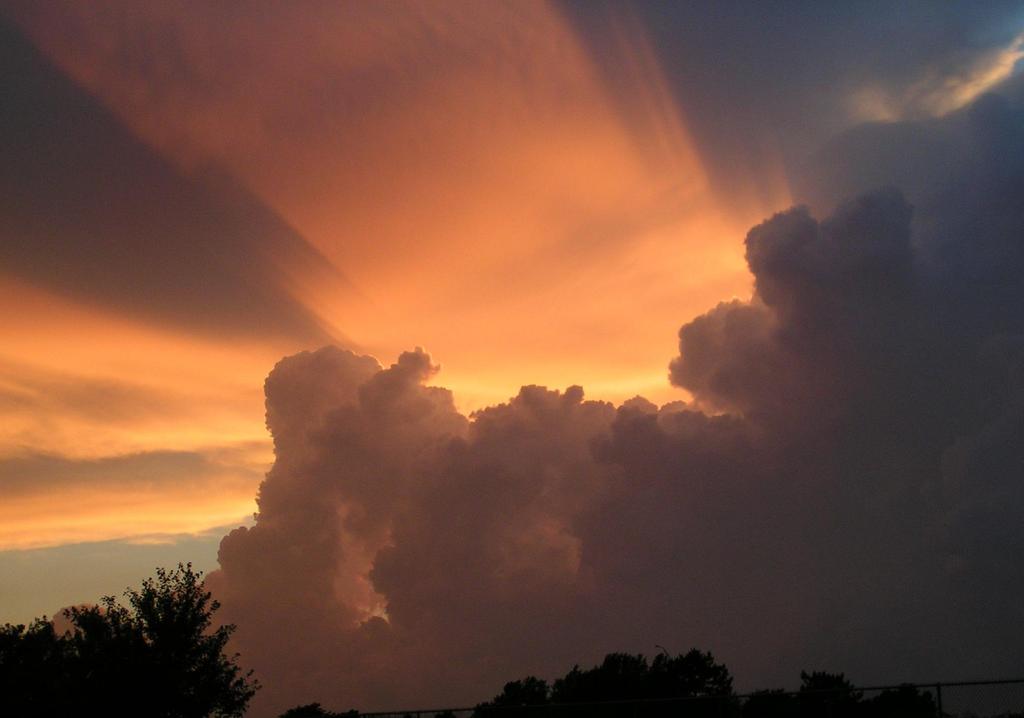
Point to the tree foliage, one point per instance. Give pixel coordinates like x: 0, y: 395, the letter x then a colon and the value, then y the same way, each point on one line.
x: 529, y: 691
x: 315, y: 710
x: 694, y: 676
x: 693, y: 685
x: 157, y: 654
x: 831, y: 694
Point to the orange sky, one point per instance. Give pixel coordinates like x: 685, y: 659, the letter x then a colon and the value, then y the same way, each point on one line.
x: 484, y: 188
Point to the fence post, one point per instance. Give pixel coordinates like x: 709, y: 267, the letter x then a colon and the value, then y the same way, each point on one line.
x: 938, y: 698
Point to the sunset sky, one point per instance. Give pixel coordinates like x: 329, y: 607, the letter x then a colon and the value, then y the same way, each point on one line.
x: 534, y: 193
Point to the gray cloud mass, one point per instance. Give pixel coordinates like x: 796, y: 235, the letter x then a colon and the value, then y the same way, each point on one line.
x: 843, y: 492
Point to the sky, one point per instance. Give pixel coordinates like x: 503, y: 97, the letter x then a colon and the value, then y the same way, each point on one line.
x: 353, y: 304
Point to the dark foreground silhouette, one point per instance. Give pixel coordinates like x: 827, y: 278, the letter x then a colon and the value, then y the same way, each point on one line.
x: 158, y: 655
x: 690, y: 685
x: 693, y: 685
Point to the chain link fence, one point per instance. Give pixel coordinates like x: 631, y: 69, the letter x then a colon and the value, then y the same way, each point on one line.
x: 965, y: 699
x: 980, y: 699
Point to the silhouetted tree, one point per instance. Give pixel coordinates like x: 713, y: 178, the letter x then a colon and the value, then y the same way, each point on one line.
x: 903, y: 702
x: 159, y: 655
x: 704, y: 686
x: 620, y: 676
x: 690, y: 685
x: 529, y: 691
x: 827, y: 694
x: 771, y: 704
x: 33, y: 670
x: 693, y: 675
x: 314, y: 710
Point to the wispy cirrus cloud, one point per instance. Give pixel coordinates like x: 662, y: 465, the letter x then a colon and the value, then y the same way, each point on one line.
x: 50, y: 500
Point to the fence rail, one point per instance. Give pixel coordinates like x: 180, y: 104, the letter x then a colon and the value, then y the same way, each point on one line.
x: 954, y: 699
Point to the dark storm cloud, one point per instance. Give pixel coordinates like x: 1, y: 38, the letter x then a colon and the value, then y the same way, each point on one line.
x: 826, y: 295
x: 881, y: 355
x: 760, y: 82
x: 89, y: 211
x: 856, y: 507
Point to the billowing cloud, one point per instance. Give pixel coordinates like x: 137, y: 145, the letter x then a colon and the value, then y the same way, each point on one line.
x: 180, y: 212
x: 516, y: 186
x: 843, y: 491
x: 190, y: 193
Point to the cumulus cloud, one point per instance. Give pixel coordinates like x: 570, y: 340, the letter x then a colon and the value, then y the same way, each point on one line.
x: 842, y: 492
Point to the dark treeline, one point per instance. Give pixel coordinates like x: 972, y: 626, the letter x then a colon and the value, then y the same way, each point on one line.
x: 693, y: 684
x: 620, y: 677
x: 689, y: 685
x: 157, y: 654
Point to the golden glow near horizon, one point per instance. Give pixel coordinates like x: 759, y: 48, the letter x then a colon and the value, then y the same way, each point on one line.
x: 88, y: 455
x: 100, y: 513
x: 490, y: 196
